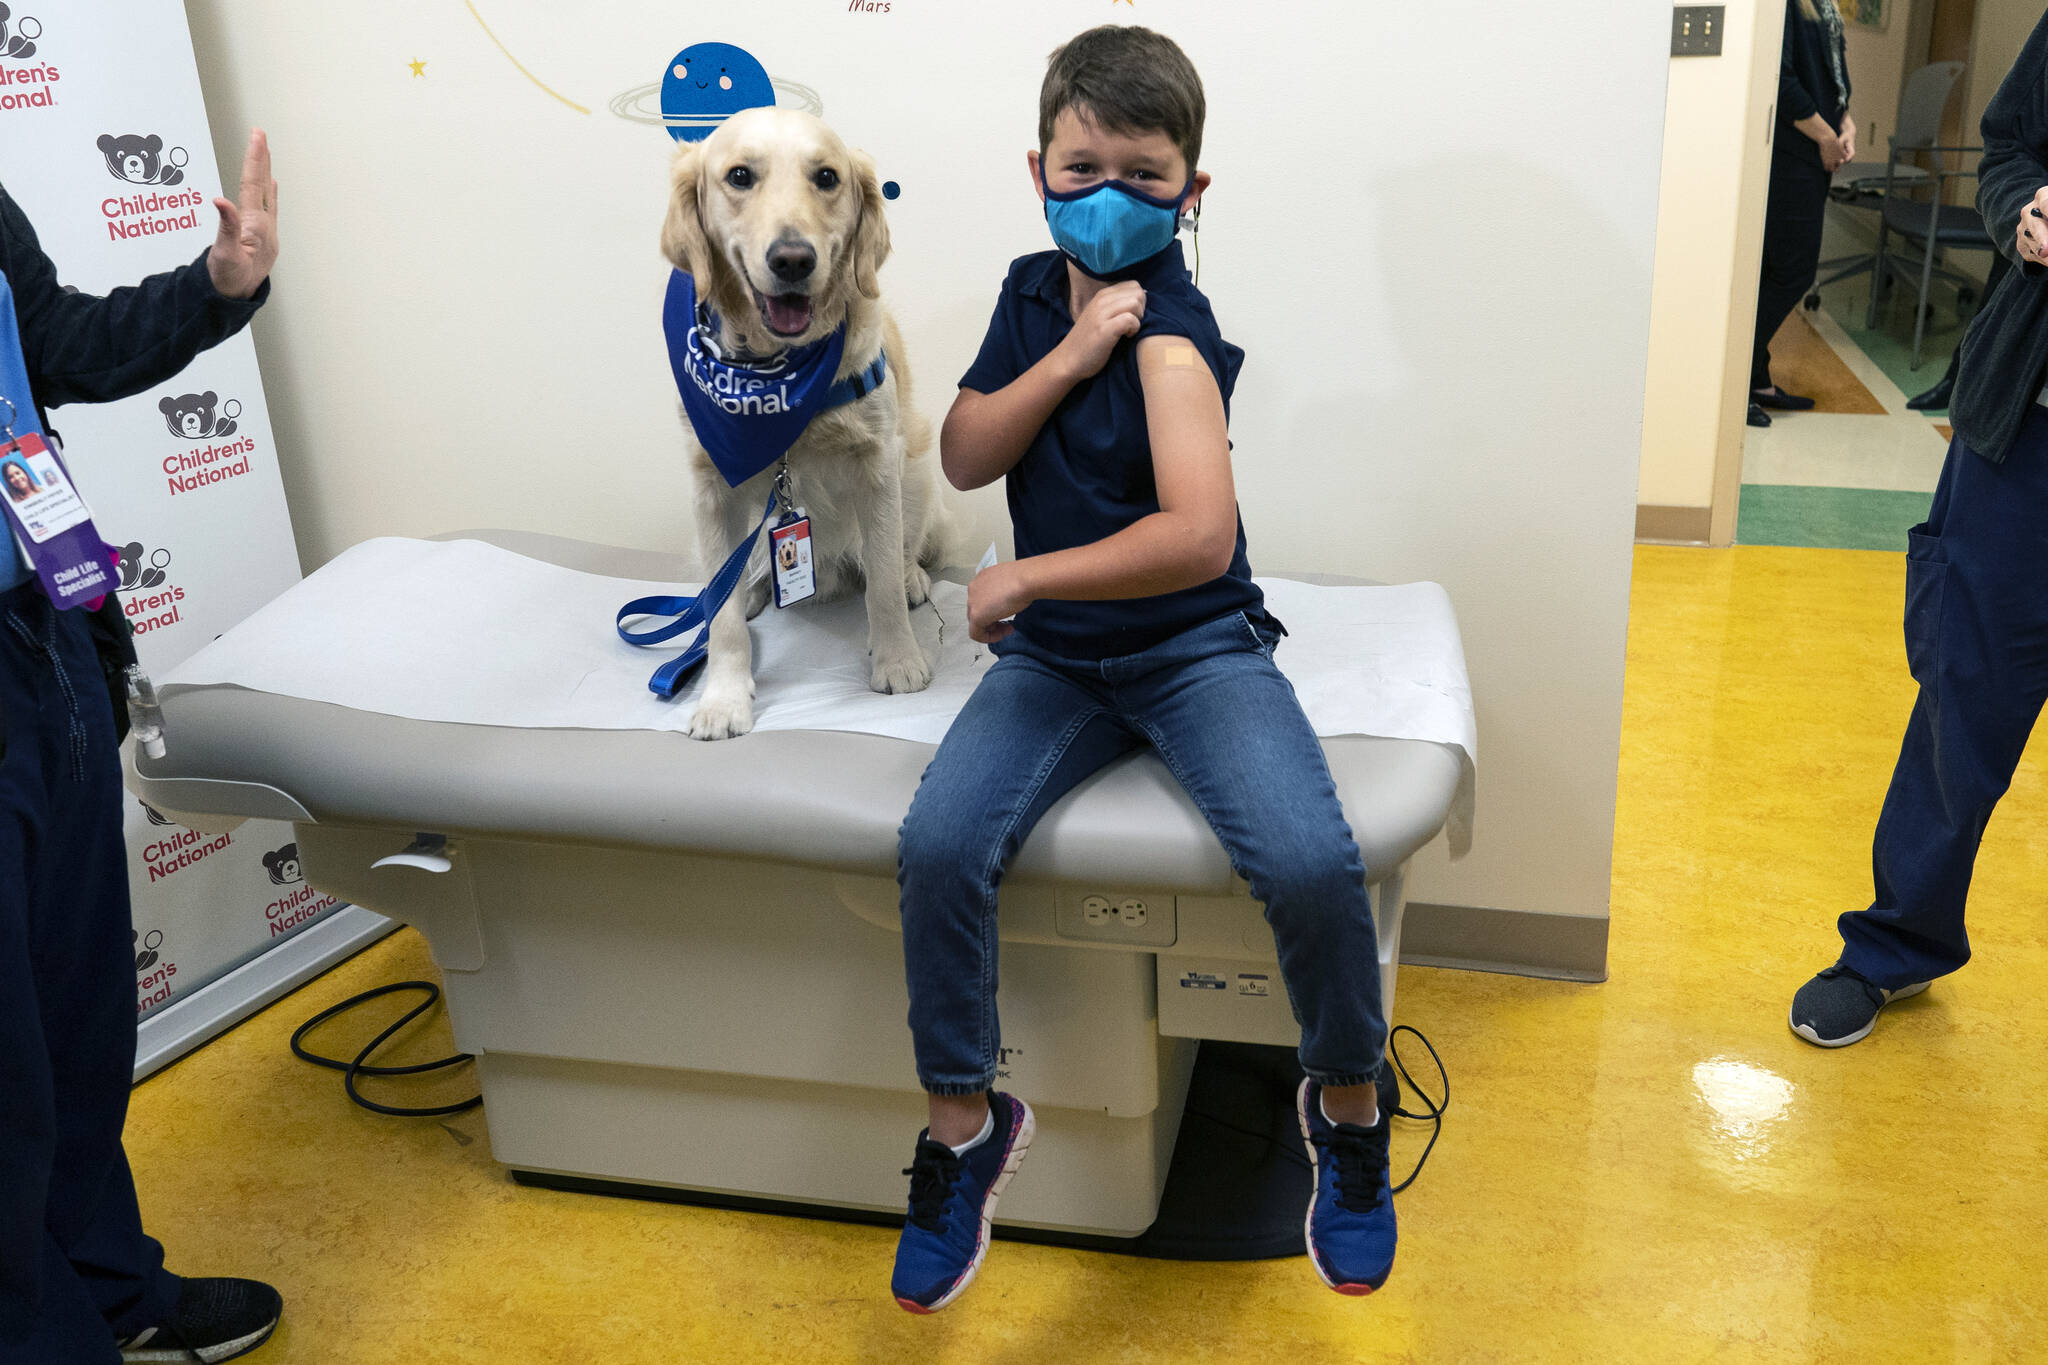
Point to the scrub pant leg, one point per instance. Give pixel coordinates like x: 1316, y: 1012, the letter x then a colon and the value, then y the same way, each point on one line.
x: 76, y: 1269
x: 1793, y: 218
x: 1977, y: 642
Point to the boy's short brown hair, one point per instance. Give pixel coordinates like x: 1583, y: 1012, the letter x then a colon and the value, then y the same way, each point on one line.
x: 1128, y: 80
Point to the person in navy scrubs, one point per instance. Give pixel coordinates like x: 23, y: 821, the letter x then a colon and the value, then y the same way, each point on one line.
x: 80, y: 1282
x: 1976, y: 605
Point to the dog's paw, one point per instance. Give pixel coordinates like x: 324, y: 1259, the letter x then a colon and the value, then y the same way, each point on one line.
x: 721, y: 717
x: 917, y: 585
x: 906, y: 672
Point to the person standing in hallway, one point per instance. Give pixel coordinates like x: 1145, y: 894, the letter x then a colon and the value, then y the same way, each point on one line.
x: 1976, y: 604
x: 1814, y: 135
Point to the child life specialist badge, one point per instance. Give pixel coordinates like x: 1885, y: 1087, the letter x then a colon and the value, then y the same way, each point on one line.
x: 48, y: 517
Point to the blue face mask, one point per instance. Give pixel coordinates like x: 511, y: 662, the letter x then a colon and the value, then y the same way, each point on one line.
x: 1110, y: 226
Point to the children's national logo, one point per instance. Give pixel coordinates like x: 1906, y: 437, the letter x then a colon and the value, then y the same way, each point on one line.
x: 152, y: 600
x: 204, y: 417
x: 140, y: 159
x: 142, y: 567
x: 192, y: 415
x: 18, y: 43
x: 22, y: 85
x: 283, y: 865
x: 153, y: 971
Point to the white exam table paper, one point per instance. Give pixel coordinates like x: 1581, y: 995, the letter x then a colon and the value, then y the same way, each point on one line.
x: 463, y: 632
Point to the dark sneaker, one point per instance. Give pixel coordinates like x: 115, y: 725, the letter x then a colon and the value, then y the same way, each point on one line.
x: 1838, y: 1007
x: 215, y: 1320
x: 952, y: 1200
x: 1351, y: 1215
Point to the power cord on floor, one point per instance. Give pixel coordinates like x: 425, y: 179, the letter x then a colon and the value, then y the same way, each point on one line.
x: 1432, y: 1110
x: 360, y: 1066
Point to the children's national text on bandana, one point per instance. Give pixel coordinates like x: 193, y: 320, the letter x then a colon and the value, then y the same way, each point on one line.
x: 746, y: 416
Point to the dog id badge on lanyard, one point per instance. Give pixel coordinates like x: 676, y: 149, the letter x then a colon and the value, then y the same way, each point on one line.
x: 47, y: 517
x: 789, y: 549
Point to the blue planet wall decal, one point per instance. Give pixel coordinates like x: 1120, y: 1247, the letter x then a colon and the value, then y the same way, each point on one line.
x: 706, y: 84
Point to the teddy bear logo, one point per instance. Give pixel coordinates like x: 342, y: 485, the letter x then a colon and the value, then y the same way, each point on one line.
x: 283, y: 865
x: 21, y: 42
x: 146, y: 955
x: 141, y: 160
x: 191, y: 415
x: 137, y: 572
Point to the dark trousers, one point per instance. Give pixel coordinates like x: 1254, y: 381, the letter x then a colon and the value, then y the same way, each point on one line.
x: 76, y: 1269
x: 1791, y: 260
x: 1977, y: 642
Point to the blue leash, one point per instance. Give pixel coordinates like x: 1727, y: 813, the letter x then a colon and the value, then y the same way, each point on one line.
x: 692, y: 612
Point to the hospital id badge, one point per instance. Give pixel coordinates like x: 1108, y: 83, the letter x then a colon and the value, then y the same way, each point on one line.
x: 51, y: 522
x: 796, y: 576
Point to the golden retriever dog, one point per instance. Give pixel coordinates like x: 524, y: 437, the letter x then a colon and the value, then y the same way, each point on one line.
x: 780, y: 226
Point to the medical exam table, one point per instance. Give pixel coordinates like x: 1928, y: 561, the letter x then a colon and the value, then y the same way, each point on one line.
x: 679, y: 964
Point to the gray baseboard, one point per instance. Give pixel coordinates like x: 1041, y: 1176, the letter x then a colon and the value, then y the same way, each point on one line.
x: 1561, y: 947
x: 218, y: 1006
x: 1674, y: 525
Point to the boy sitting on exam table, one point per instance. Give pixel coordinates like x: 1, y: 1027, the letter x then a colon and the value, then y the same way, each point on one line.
x: 1129, y: 619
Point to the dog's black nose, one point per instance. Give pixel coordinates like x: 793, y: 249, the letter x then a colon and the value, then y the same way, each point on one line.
x: 792, y: 262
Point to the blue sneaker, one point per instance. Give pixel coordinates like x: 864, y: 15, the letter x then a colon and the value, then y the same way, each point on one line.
x: 952, y: 1200
x: 1351, y: 1216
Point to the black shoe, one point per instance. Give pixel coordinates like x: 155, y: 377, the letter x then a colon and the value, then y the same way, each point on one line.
x: 1781, y: 401
x: 215, y: 1320
x: 1838, y: 1007
x: 1758, y: 417
x: 1936, y: 398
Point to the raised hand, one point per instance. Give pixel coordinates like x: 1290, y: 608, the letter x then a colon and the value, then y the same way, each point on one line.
x: 246, y: 246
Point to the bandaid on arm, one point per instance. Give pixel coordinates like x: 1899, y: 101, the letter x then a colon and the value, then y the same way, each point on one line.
x: 1177, y: 355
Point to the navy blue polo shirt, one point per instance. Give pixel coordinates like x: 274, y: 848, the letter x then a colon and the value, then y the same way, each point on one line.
x: 1088, y: 472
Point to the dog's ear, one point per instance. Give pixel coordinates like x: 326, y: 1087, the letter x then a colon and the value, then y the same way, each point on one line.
x: 871, y: 233
x: 682, y: 231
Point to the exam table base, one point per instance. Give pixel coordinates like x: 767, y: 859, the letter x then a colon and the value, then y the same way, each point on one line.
x: 735, y: 1027
x: 1235, y: 1191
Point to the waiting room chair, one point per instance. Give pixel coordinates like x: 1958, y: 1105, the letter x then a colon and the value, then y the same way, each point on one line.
x: 1936, y: 227
x: 1864, y: 184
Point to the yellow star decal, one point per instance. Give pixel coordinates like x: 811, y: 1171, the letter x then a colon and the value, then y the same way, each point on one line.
x: 419, y: 68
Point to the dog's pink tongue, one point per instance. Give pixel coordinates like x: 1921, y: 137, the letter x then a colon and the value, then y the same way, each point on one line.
x: 789, y: 313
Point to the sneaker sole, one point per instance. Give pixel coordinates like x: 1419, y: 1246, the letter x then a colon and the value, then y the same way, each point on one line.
x: 1308, y: 1220
x: 211, y: 1355
x: 1020, y: 1142
x: 1804, y: 1031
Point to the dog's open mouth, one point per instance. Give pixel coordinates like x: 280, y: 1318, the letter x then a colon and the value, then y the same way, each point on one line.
x: 786, y: 314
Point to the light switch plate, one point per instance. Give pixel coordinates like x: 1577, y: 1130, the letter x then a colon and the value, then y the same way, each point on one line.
x: 1696, y: 30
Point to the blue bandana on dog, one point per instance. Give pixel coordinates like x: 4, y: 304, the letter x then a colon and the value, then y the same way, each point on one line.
x: 748, y: 416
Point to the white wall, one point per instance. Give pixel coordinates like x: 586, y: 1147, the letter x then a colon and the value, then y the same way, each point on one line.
x: 1716, y: 168
x: 1430, y: 229
x: 2001, y: 31
x: 1877, y: 66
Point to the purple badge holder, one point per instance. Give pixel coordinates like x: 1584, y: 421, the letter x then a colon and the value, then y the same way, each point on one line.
x: 49, y: 520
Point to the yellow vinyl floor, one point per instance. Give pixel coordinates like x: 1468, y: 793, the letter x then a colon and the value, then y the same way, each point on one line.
x: 1651, y: 1169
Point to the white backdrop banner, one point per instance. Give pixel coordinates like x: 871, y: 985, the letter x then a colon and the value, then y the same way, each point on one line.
x: 106, y: 148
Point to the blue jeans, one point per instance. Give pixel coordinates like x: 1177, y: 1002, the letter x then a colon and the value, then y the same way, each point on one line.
x: 1977, y: 642
x: 1226, y: 723
x: 76, y: 1268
